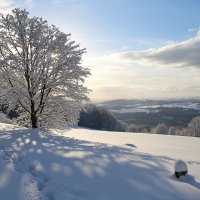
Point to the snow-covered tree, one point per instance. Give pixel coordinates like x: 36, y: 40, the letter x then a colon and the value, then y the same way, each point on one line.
x: 144, y: 130
x: 99, y: 118
x: 171, y: 131
x: 177, y: 132
x: 132, y: 128
x: 184, y: 132
x: 160, y: 129
x: 4, y: 119
x: 195, y: 126
x: 40, y: 70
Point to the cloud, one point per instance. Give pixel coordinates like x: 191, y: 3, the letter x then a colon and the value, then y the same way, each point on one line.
x: 6, y: 6
x: 125, y: 47
x: 143, y: 91
x: 112, y: 80
x: 193, y: 29
x: 57, y: 2
x: 191, y: 87
x: 128, y: 75
x: 29, y: 3
x: 182, y: 54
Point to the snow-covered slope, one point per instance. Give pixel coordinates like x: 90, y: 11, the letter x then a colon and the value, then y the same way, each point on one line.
x: 83, y: 164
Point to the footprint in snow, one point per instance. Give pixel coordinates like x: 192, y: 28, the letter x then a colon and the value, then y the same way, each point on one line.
x: 21, y: 165
x: 17, y: 160
x: 41, y: 185
x: 50, y: 194
x: 47, y: 178
x: 6, y: 154
x: 36, y: 173
x: 2, y: 147
x: 31, y: 166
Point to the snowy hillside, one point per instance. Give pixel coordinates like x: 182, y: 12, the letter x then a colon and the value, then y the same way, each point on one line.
x: 83, y: 164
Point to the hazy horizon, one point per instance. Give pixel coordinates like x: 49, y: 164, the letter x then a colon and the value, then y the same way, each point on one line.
x: 161, y: 98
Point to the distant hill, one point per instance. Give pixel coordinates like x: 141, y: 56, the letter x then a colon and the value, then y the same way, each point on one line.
x: 172, y: 112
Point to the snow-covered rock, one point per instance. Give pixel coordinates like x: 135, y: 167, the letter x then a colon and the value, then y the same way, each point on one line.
x: 180, y: 168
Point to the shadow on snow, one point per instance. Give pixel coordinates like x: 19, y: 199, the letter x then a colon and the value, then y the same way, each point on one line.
x: 88, y: 170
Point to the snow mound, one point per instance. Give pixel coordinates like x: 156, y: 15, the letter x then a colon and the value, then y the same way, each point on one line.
x: 180, y: 166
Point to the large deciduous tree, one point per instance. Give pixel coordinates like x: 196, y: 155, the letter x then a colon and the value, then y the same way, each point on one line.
x: 40, y: 70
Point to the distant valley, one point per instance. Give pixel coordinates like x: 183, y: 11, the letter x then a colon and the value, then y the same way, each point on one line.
x: 171, y: 112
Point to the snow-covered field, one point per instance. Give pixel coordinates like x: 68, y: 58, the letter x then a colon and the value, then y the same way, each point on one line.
x: 81, y: 164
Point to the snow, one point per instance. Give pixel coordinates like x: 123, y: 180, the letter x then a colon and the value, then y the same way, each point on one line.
x: 95, y: 165
x: 148, y: 108
x: 180, y: 166
x: 184, y: 105
x: 138, y: 108
x: 165, y: 117
x: 129, y: 110
x: 188, y: 105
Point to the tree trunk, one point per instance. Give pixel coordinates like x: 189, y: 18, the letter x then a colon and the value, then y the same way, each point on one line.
x: 34, y: 120
x: 33, y: 115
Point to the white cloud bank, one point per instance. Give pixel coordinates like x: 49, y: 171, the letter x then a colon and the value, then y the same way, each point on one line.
x: 6, y: 6
x: 183, y: 54
x: 147, y: 74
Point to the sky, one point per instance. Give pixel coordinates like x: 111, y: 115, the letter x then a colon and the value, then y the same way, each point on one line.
x: 136, y: 49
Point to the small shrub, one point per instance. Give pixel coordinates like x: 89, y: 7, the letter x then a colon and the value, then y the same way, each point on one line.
x: 4, y: 119
x: 160, y: 129
x: 171, y: 131
x: 132, y: 128
x: 99, y: 118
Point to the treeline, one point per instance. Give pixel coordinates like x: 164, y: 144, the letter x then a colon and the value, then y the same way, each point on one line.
x: 99, y: 118
x: 193, y: 129
x: 91, y: 116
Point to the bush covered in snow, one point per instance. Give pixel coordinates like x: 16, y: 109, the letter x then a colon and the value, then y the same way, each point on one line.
x: 160, y: 129
x: 185, y: 132
x: 99, y: 118
x: 13, y: 113
x: 171, y: 131
x: 132, y: 128
x: 4, y: 119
